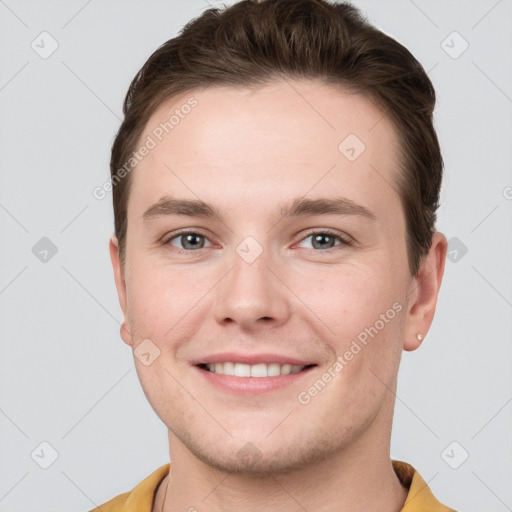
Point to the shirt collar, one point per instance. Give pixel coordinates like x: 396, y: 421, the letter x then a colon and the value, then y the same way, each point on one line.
x: 419, y: 499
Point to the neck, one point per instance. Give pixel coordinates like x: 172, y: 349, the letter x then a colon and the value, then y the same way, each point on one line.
x: 354, y: 478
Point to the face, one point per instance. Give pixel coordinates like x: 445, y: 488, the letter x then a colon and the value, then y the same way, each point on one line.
x: 296, y: 262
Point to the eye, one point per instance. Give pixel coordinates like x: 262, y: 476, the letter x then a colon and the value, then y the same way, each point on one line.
x: 192, y: 241
x: 326, y: 239
x: 189, y: 240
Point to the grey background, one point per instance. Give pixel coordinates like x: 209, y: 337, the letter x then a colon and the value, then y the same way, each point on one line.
x: 67, y: 378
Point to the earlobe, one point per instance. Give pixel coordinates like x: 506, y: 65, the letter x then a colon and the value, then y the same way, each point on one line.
x: 121, y: 287
x: 125, y: 334
x: 424, y: 292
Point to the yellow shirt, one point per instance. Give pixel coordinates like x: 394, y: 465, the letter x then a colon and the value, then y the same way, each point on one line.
x: 140, y: 499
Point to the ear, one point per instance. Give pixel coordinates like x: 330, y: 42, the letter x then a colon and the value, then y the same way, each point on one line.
x: 423, y: 292
x: 121, y: 288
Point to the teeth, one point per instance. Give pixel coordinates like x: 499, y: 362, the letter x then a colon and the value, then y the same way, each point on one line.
x: 254, y: 370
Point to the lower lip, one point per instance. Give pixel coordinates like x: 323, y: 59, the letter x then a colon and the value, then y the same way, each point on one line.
x: 252, y: 385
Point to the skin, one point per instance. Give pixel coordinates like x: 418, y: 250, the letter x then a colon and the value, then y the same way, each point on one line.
x: 247, y: 151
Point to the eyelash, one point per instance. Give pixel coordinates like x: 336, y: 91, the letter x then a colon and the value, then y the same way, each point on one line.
x: 344, y: 240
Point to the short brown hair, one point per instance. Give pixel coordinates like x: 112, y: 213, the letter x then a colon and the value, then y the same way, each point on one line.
x: 255, y: 41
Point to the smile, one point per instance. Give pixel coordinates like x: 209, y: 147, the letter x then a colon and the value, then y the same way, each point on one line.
x: 252, y: 379
x: 253, y: 370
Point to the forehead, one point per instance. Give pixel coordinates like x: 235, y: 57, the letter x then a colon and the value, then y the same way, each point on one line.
x: 286, y: 137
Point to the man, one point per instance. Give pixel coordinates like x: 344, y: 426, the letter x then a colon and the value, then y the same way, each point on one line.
x: 275, y: 183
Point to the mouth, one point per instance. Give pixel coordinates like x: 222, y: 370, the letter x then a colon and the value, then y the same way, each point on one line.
x: 242, y: 379
x: 260, y: 370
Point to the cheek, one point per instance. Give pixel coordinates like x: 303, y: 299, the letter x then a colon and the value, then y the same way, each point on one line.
x: 156, y: 295
x: 164, y: 301
x: 162, y: 390
x: 148, y: 306
x: 359, y: 314
x: 358, y: 310
x: 347, y: 299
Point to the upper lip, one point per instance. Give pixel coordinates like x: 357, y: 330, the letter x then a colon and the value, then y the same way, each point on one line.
x: 234, y: 357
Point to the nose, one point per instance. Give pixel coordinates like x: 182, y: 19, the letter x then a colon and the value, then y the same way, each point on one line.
x: 252, y: 295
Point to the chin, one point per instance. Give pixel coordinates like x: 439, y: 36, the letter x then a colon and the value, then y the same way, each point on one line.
x: 259, y: 459
x: 251, y: 462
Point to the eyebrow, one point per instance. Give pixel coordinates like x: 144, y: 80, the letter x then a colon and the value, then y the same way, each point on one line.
x: 300, y: 207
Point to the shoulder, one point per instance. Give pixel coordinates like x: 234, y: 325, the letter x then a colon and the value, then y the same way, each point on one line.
x: 420, y: 497
x: 116, y: 504
x: 140, y: 498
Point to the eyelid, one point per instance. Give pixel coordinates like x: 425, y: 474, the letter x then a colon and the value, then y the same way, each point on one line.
x: 166, y: 240
x: 344, y: 238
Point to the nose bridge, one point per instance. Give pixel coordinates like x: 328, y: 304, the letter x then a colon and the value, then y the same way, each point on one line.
x: 251, y: 291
